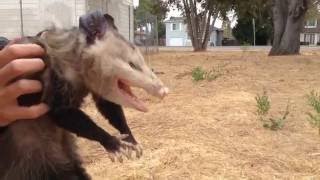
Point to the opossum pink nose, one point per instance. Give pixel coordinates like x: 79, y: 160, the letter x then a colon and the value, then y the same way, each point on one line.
x: 163, y: 92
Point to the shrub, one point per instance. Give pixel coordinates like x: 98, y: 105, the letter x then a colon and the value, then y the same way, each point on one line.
x: 214, y: 73
x: 263, y: 106
x: 314, y: 102
x: 198, y: 74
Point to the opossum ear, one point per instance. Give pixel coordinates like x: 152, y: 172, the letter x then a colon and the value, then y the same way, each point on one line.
x: 110, y: 21
x: 93, y: 25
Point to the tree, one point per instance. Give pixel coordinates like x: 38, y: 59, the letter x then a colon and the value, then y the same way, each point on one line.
x: 200, y: 14
x: 288, y: 19
x: 146, y: 8
x: 246, y: 12
x: 243, y: 31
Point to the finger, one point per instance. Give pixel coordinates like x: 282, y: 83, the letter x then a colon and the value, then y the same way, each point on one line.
x: 129, y: 145
x: 17, y: 51
x: 19, y: 88
x: 19, y: 67
x: 31, y: 112
x: 125, y: 152
x: 139, y: 150
x: 112, y: 157
x: 122, y: 136
x: 119, y: 157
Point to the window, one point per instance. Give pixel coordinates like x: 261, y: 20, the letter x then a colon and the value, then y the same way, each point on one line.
x: 311, y: 23
x: 175, y: 26
x: 310, y: 38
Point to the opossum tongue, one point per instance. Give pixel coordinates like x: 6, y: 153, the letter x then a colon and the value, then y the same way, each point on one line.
x: 130, y: 97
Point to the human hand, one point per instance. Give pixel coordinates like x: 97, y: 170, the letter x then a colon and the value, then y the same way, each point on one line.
x: 16, y: 60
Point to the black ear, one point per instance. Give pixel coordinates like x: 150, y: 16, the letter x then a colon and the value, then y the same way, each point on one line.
x: 93, y: 25
x: 110, y: 21
x: 3, y: 42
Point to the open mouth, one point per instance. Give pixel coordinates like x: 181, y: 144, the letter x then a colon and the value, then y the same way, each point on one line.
x: 131, y: 99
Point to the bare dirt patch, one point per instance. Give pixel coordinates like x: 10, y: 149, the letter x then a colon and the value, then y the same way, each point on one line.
x: 209, y: 130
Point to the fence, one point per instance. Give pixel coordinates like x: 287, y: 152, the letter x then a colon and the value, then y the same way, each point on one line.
x: 146, y: 35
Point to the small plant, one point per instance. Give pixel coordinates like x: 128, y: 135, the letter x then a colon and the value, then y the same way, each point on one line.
x: 198, y: 74
x: 278, y: 123
x: 263, y: 104
x: 263, y: 107
x: 314, y: 102
x: 214, y: 73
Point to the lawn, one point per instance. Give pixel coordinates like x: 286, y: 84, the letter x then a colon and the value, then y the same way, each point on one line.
x: 210, y: 129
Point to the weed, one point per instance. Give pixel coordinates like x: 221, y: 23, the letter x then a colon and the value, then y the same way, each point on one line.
x: 278, y: 123
x: 314, y: 102
x: 263, y: 107
x: 263, y: 104
x: 214, y: 73
x: 198, y: 74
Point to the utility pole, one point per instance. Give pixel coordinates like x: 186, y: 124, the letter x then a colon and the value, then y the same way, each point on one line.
x: 21, y: 19
x: 254, y: 31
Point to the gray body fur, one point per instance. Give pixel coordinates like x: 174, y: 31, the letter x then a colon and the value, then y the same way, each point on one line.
x: 36, y: 149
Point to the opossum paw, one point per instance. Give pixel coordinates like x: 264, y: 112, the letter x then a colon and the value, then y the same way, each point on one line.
x: 122, y: 149
x: 138, y: 149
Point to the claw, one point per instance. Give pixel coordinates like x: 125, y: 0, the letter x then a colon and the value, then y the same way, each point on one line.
x: 126, y: 149
x: 122, y: 136
x: 139, y: 150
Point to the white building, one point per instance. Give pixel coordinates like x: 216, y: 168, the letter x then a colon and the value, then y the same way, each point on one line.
x: 27, y: 17
x: 311, y: 32
x: 177, y: 33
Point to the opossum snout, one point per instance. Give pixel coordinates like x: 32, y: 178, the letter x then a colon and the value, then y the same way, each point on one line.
x: 163, y: 92
x: 159, y: 90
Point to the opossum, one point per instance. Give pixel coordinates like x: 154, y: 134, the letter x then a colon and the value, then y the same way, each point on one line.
x: 94, y: 59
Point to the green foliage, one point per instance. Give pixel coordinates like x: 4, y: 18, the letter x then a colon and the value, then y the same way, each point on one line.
x: 278, y: 123
x: 263, y: 103
x: 313, y: 11
x: 263, y: 107
x: 214, y: 73
x: 199, y: 74
x: 314, y: 102
x: 243, y: 31
x: 146, y: 8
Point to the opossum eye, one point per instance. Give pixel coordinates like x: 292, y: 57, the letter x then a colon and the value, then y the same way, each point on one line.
x: 133, y: 66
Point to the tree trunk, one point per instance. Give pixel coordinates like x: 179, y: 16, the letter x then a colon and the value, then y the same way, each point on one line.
x: 288, y: 19
x: 198, y: 25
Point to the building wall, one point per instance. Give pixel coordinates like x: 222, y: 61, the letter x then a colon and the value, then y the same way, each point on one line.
x: 215, y: 36
x: 120, y: 10
x: 311, y: 35
x: 39, y: 14
x: 10, y: 21
x: 182, y: 33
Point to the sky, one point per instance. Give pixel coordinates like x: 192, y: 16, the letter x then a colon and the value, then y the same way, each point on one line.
x: 176, y: 13
x: 218, y: 24
x: 135, y: 3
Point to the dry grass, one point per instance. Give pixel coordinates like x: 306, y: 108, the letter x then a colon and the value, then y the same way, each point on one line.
x: 209, y: 130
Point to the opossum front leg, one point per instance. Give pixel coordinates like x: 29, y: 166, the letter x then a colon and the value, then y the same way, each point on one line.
x: 77, y: 122
x: 114, y: 113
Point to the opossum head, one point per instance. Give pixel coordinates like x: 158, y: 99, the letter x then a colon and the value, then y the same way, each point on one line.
x: 114, y: 64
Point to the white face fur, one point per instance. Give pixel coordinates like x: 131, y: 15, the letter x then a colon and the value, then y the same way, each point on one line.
x: 113, y: 65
